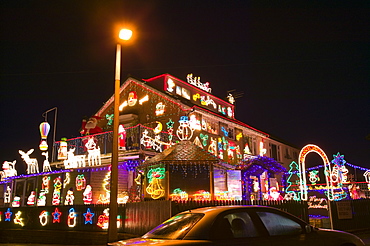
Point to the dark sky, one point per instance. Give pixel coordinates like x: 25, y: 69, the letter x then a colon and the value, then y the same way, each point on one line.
x: 303, y: 66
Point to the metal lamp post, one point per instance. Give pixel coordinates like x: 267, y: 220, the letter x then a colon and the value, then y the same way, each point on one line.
x: 125, y: 34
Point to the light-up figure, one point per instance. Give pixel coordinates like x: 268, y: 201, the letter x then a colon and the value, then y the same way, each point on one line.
x: 184, y: 131
x: 274, y: 195
x: 121, y: 137
x: 45, y: 184
x: 103, y: 219
x: 32, y: 164
x: 8, y: 215
x: 31, y: 198
x: 67, y: 180
x: 44, y: 217
x: 18, y: 219
x: 80, y: 182
x: 179, y: 195
x: 155, y: 188
x: 8, y: 169
x: 69, y: 197
x: 87, y: 195
x: 71, y: 221
x: 41, y: 200
x: 7, y: 194
x: 56, y: 193
x: 367, y: 178
x: 63, y: 149
x: 16, y: 202
x: 313, y: 176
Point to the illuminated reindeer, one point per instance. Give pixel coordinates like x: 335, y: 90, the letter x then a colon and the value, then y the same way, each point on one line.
x: 46, y: 167
x: 93, y: 156
x: 32, y: 164
x: 74, y: 161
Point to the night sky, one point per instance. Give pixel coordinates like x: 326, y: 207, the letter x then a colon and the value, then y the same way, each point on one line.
x: 302, y: 68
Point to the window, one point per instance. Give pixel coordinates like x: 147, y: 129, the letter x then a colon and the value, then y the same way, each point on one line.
x: 278, y: 225
x: 175, y: 228
x: 235, y: 225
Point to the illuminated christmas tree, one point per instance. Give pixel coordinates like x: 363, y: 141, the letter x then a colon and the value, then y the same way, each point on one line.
x: 292, y: 181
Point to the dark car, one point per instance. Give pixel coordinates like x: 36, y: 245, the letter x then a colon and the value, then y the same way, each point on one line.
x: 240, y: 225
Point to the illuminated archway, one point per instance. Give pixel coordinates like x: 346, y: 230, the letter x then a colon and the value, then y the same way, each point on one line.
x: 302, y: 170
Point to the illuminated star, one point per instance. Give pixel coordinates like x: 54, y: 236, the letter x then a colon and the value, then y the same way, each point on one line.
x: 88, y: 216
x: 8, y: 215
x: 170, y: 124
x: 56, y: 216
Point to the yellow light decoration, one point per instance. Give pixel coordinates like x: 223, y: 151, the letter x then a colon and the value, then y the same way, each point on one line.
x: 239, y: 136
x: 158, y: 128
x: 18, y: 220
x: 155, y: 189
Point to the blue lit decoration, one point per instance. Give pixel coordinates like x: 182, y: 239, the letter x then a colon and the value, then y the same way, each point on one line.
x: 88, y: 216
x: 255, y: 167
x: 8, y: 215
x: 34, y: 174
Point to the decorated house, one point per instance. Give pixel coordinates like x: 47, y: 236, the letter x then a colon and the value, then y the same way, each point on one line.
x: 176, y: 141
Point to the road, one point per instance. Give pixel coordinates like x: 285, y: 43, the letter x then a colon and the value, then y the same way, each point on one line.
x: 364, y: 235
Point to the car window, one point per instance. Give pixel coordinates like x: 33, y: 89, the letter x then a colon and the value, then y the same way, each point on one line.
x: 175, y: 227
x: 278, y: 225
x: 234, y: 225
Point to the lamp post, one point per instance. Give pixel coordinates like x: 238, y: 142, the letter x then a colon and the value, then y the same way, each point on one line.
x: 125, y: 34
x: 45, y: 115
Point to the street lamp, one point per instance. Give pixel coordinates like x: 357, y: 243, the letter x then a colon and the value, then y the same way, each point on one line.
x: 124, y: 34
x: 45, y: 123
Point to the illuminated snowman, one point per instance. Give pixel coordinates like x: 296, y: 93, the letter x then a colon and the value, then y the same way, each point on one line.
x: 184, y: 131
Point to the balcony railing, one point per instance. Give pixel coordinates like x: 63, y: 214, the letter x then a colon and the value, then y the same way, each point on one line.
x: 138, y: 137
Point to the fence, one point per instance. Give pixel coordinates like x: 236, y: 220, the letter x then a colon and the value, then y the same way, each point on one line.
x: 351, y: 214
x: 134, y: 218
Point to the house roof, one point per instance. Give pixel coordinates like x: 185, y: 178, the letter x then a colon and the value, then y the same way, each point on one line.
x: 185, y: 152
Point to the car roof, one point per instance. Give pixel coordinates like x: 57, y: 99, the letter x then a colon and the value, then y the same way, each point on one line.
x: 224, y: 208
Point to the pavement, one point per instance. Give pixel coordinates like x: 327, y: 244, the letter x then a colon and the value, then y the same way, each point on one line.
x: 364, y: 235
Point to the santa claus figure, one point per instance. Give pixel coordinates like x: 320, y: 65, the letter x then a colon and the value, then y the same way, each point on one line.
x: 274, y: 195
x: 90, y: 126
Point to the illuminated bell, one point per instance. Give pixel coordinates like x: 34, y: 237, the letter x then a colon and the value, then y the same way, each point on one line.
x: 44, y: 130
x: 43, y: 145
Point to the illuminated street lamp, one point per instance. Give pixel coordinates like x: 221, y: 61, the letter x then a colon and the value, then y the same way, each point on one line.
x: 124, y: 34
